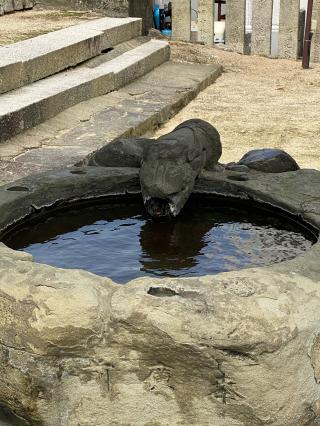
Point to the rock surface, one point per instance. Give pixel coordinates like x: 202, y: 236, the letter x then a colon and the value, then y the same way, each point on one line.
x: 269, y: 161
x: 239, y: 348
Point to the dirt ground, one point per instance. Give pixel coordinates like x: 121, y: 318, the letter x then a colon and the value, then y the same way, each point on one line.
x: 257, y: 103
x: 30, y: 23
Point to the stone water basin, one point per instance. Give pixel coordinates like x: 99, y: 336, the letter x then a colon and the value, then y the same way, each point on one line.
x: 240, y: 347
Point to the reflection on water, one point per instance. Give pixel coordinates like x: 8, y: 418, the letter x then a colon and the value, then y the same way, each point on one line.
x: 120, y: 241
x: 7, y: 419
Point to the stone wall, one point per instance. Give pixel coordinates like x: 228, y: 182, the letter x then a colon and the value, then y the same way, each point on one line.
x: 9, y: 6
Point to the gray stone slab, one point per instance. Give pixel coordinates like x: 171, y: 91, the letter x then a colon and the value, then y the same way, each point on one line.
x: 261, y: 27
x: 235, y: 25
x: 30, y: 60
x: 206, y: 21
x: 289, y: 28
x: 137, y: 62
x: 181, y: 20
x: 114, y: 30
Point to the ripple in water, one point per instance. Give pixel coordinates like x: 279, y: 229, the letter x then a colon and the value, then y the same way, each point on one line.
x: 120, y: 241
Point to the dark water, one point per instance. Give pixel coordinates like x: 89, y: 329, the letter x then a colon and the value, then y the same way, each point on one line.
x: 120, y: 241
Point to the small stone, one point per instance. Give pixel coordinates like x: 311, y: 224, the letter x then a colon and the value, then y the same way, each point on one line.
x: 269, y: 161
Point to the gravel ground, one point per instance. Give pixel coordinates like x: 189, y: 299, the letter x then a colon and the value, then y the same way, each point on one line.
x: 30, y: 23
x: 256, y: 103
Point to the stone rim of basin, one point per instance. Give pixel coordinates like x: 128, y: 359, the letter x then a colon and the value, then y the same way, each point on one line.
x: 22, y: 199
x: 29, y: 196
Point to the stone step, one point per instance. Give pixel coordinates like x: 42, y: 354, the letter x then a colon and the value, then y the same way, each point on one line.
x: 134, y: 110
x: 30, y: 105
x: 31, y: 60
x: 118, y: 50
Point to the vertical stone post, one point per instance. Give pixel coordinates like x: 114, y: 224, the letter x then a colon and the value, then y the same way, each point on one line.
x: 289, y: 28
x: 181, y: 20
x: 261, y: 27
x: 315, y: 44
x: 235, y: 25
x: 206, y: 21
x: 142, y: 9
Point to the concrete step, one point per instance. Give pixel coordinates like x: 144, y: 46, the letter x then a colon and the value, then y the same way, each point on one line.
x: 118, y: 50
x: 31, y: 60
x: 30, y: 105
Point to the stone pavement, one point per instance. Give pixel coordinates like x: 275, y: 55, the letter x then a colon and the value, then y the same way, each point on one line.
x: 131, y: 111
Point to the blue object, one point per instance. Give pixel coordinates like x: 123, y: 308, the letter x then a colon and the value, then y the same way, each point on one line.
x: 156, y: 14
x: 166, y: 32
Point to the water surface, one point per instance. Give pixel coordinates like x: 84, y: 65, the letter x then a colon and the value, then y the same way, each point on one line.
x: 120, y: 240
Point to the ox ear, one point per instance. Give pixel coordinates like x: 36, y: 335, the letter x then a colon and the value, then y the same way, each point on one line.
x: 198, y: 162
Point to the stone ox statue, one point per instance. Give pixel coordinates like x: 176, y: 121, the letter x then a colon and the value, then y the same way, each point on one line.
x: 170, y: 165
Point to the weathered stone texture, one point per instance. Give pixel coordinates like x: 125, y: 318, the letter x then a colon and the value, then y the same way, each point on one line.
x: 315, y: 45
x: 289, y: 28
x: 119, y: 8
x: 261, y: 27
x: 206, y: 21
x: 9, y: 6
x: 234, y: 349
x: 181, y: 20
x: 142, y: 9
x: 235, y: 25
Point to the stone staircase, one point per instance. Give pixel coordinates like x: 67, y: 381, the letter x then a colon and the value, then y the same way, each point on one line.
x: 45, y: 75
